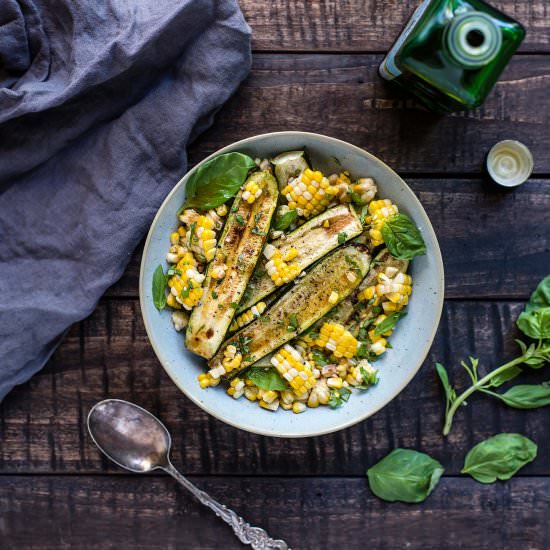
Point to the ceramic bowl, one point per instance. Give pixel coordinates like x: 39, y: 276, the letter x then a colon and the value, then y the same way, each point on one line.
x: 411, y: 341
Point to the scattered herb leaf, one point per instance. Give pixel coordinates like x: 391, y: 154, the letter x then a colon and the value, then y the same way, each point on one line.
x: 404, y: 475
x: 292, y: 322
x: 389, y: 323
x: 499, y: 457
x: 159, y: 288
x: 285, y: 220
x: 267, y: 379
x: 342, y: 236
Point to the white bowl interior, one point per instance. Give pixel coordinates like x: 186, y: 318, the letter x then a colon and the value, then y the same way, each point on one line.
x: 411, y: 340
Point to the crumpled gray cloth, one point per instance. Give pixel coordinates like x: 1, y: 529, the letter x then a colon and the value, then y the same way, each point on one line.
x: 98, y: 100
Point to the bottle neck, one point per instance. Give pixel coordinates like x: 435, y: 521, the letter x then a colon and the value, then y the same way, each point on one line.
x: 473, y: 39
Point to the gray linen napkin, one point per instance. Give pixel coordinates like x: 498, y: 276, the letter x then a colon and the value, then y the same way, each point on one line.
x: 98, y: 100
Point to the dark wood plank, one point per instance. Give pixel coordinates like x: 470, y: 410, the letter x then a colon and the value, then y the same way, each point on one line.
x: 362, y: 25
x: 343, y: 96
x: 108, y: 355
x: 495, y: 244
x: 309, y: 513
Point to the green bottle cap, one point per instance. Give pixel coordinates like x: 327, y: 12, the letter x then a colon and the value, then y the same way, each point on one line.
x: 509, y: 163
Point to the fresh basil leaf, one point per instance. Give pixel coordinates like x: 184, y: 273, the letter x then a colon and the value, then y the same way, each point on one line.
x: 540, y: 297
x: 320, y: 358
x: 356, y: 198
x: 450, y: 394
x: 217, y: 180
x: 267, y: 378
x: 292, y: 322
x: 159, y: 288
x: 527, y: 396
x: 402, y: 237
x: 370, y: 378
x: 338, y: 397
x: 283, y: 222
x: 499, y: 457
x: 404, y: 475
x: 504, y: 376
x: 536, y: 323
x: 342, y: 236
x: 389, y: 322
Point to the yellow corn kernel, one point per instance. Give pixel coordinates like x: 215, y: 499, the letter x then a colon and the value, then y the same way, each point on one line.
x: 172, y: 302
x: 333, y: 298
x: 221, y: 210
x: 338, y: 340
x: 175, y: 238
x: 206, y: 380
x: 379, y: 212
x: 335, y: 382
x: 298, y: 407
x: 303, y: 193
x: 278, y: 269
x: 253, y: 313
x: 294, y: 369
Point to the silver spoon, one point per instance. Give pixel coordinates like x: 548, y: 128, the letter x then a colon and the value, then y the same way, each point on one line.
x: 136, y: 440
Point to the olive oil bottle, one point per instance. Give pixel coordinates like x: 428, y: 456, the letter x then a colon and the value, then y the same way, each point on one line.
x: 452, y: 52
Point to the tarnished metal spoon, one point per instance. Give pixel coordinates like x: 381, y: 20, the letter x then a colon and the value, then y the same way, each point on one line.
x: 136, y: 440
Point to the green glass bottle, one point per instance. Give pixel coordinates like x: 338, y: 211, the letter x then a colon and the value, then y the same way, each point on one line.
x: 452, y: 52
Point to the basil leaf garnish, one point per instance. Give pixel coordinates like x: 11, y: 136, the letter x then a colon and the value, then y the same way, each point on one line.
x: 499, y: 457
x: 389, y: 322
x: 267, y: 378
x: 159, y: 288
x: 402, y: 237
x: 217, y: 180
x: 404, y: 475
x: 283, y: 222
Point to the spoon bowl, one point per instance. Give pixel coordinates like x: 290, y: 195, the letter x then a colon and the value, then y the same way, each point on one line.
x: 130, y: 436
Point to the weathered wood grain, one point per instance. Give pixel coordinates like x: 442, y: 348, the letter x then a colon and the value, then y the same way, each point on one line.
x: 495, y: 244
x: 108, y: 355
x: 343, y: 96
x: 58, y: 512
x: 362, y: 25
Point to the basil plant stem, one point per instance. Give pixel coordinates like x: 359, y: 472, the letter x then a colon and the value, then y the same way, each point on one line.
x: 479, y: 385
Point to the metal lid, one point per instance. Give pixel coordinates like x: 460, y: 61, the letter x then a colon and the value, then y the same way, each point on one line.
x: 509, y: 163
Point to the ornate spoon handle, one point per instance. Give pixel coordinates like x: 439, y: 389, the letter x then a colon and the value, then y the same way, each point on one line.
x: 246, y: 533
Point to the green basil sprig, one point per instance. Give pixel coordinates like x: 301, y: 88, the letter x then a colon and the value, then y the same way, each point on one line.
x: 267, y: 378
x: 217, y: 180
x: 499, y: 457
x: 159, y: 288
x: 404, y: 475
x: 534, y: 322
x: 402, y: 237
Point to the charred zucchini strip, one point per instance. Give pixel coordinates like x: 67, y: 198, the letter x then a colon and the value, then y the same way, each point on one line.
x: 289, y: 165
x: 326, y: 284
x: 313, y: 240
x: 239, y: 248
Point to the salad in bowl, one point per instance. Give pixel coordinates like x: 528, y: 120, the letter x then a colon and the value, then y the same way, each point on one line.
x: 288, y: 280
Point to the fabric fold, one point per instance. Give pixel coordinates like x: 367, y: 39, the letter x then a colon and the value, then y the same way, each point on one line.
x: 88, y: 154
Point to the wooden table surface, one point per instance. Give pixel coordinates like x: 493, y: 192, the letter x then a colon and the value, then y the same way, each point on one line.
x: 315, y: 68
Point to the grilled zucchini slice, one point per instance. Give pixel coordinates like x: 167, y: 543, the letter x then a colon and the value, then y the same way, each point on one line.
x: 312, y: 240
x: 306, y: 302
x: 239, y: 248
x: 346, y: 312
x: 289, y: 165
